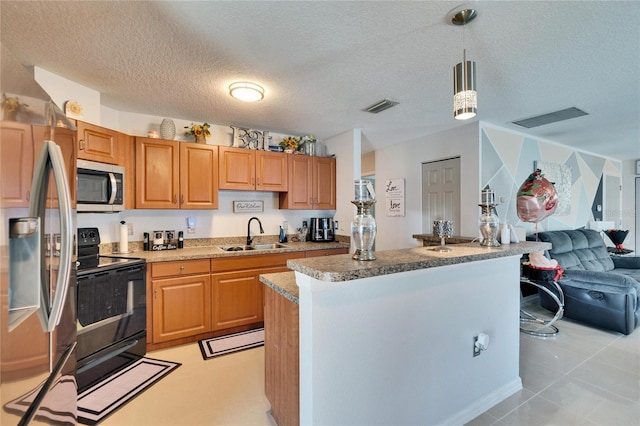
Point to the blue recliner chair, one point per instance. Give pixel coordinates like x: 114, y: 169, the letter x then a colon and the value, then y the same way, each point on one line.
x: 599, y: 289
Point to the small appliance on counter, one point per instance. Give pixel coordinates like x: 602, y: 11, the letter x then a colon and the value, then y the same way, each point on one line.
x: 322, y: 229
x: 163, y: 240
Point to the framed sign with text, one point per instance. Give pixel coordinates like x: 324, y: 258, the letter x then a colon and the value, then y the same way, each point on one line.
x: 251, y: 206
x: 394, y: 197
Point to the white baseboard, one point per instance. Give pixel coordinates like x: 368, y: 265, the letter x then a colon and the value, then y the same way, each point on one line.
x: 485, y: 403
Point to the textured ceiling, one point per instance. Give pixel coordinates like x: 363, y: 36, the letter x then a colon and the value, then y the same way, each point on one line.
x: 322, y: 62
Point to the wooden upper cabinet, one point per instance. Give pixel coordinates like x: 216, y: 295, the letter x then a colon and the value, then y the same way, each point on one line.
x: 173, y: 175
x: 157, y: 173
x: 312, y: 184
x: 17, y: 158
x: 237, y: 168
x: 271, y: 171
x: 97, y: 143
x: 324, y: 181
x: 252, y: 170
x: 300, y: 194
x: 198, y: 176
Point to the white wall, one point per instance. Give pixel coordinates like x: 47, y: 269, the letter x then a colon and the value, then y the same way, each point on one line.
x: 209, y: 223
x: 629, y: 203
x: 346, y: 147
x: 62, y: 90
x: 405, y: 160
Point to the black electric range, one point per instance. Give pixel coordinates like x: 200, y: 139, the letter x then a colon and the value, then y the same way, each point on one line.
x: 89, y: 258
x: 111, y: 311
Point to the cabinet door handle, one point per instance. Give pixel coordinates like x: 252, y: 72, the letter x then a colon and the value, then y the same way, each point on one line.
x: 175, y: 198
x: 155, y: 293
x: 182, y: 199
x: 258, y: 181
x: 182, y: 267
x: 253, y: 181
x: 81, y: 142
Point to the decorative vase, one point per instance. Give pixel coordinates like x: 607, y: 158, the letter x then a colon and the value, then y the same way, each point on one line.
x: 167, y: 129
x: 200, y: 138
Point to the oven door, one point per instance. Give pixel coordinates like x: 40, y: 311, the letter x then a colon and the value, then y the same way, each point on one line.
x: 111, y: 316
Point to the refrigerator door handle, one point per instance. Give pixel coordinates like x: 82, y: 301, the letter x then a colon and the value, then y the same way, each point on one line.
x: 51, y: 158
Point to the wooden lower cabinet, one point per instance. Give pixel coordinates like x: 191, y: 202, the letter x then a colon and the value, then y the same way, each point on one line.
x: 237, y: 293
x: 202, y: 298
x: 281, y: 350
x: 237, y: 297
x: 181, y: 294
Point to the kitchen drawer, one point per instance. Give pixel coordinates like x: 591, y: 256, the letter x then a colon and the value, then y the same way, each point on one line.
x: 181, y: 267
x: 237, y: 263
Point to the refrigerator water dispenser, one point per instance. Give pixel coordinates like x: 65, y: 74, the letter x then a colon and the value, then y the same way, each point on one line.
x: 24, y: 269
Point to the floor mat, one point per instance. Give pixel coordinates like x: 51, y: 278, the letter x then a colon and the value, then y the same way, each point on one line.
x: 224, y: 345
x: 100, y: 400
x: 104, y: 398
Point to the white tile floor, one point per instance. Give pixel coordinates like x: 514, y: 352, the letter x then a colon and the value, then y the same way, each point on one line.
x: 583, y: 376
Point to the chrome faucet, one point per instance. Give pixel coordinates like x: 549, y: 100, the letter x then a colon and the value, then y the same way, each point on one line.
x: 249, y: 239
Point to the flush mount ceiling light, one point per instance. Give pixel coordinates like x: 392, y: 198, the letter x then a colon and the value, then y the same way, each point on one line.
x: 246, y: 92
x: 465, y: 96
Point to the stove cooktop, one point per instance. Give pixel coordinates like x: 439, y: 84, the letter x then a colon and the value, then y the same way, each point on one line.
x: 89, y: 259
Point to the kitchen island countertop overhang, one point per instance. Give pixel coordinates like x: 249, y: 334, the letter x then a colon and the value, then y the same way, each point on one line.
x: 344, y: 268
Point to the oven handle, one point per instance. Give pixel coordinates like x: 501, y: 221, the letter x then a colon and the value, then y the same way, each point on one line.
x: 107, y: 357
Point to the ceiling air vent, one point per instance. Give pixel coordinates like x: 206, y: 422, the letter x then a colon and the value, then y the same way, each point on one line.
x: 380, y: 106
x: 552, y: 117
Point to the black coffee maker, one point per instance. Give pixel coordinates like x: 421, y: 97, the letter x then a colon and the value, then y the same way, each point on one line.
x: 322, y: 229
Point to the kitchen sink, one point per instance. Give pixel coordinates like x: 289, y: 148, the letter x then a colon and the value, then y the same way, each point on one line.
x: 252, y: 247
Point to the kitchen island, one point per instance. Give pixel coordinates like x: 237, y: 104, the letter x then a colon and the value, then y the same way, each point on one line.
x: 391, y: 341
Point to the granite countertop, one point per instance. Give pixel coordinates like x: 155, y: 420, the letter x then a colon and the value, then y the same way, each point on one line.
x: 214, y: 251
x: 284, y: 283
x: 449, y: 240
x: 343, y: 268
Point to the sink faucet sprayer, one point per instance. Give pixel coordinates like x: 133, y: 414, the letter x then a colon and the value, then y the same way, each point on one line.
x: 249, y: 239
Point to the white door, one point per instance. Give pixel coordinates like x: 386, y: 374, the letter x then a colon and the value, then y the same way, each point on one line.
x: 441, y: 193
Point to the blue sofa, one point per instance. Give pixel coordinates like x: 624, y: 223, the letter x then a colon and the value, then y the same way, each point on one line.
x: 599, y: 289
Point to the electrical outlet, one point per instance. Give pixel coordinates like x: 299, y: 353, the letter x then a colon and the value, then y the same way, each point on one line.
x: 130, y: 228
x: 476, y: 347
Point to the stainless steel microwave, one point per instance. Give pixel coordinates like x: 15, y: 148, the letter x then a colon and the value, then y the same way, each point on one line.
x: 100, y: 187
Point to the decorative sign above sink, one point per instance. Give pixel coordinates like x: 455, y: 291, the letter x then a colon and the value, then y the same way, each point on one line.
x: 251, y: 206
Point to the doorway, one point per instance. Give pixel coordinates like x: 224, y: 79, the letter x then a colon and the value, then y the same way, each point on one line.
x: 441, y: 193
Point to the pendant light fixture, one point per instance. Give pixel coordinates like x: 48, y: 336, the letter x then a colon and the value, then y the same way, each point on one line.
x: 246, y: 91
x: 465, y: 96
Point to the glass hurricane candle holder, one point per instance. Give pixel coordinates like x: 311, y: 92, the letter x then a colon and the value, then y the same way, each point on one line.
x: 363, y: 231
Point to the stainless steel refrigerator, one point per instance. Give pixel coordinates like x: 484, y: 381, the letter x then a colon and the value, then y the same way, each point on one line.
x: 37, y: 256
